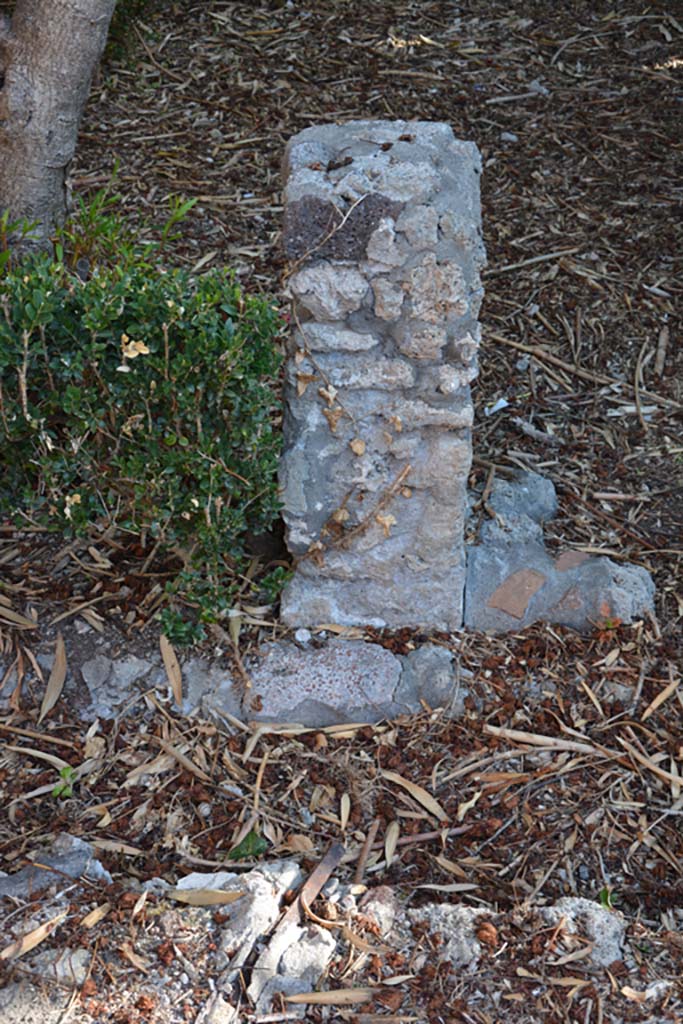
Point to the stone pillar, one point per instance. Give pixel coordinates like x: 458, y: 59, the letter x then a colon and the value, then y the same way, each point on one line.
x: 382, y: 229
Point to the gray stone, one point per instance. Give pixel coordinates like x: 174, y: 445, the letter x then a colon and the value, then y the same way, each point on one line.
x: 388, y: 299
x: 329, y: 292
x: 339, y: 600
x: 383, y: 246
x: 322, y: 337
x: 96, y: 672
x: 605, y: 929
x: 513, y: 581
x: 527, y: 494
x: 341, y: 682
x: 378, y: 537
x: 420, y: 225
x: 349, y: 681
x: 430, y: 674
x: 129, y: 671
x: 110, y: 682
x: 69, y: 857
x: 209, y: 687
x: 68, y: 967
x: 457, y: 926
x: 354, y: 373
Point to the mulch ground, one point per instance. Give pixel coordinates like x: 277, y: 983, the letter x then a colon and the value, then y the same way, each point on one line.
x: 574, y: 790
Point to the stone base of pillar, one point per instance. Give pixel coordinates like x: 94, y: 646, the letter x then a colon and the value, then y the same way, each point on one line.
x: 382, y: 230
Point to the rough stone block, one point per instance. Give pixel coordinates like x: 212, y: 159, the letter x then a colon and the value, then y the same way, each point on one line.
x: 382, y: 219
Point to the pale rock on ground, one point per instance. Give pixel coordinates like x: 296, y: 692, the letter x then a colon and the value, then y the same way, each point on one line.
x: 296, y: 958
x: 69, y: 858
x: 458, y: 927
x: 605, y: 929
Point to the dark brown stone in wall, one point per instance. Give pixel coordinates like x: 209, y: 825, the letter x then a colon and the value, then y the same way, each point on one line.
x: 314, y: 226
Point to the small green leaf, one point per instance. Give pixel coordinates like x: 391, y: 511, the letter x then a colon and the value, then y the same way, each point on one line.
x: 606, y: 898
x: 253, y: 845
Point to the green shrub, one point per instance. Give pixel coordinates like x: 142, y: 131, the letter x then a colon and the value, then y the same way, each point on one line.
x: 141, y: 400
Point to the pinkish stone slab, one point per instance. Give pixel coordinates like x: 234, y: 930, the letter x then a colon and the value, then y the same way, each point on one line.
x: 514, y: 593
x: 570, y: 560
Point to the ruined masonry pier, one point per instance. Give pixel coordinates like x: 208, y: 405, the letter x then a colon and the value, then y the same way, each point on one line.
x: 382, y: 231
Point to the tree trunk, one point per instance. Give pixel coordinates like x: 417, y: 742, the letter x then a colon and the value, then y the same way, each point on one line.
x: 48, y: 53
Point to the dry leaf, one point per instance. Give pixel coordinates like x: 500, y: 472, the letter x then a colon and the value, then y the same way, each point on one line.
x: 362, y: 944
x: 357, y: 446
x: 36, y: 667
x: 347, y: 632
x: 450, y: 887
x: 162, y: 763
x: 299, y: 843
x: 386, y: 521
x: 132, y: 957
x: 419, y: 794
x: 675, y: 785
x: 56, y: 680
x: 139, y: 904
x: 172, y: 667
x: 337, y: 997
x: 95, y: 747
x: 661, y: 697
x: 235, y: 627
x: 204, y: 897
x: 112, y: 846
x: 576, y: 954
x: 17, y: 619
x: 42, y: 755
x: 102, y: 560
x: 610, y: 658
x: 333, y: 416
x: 633, y: 995
x: 329, y: 394
x: 96, y: 915
x: 93, y: 619
x: 344, y: 810
x: 468, y: 805
x: 180, y: 757
x: 451, y: 866
x: 302, y: 382
x: 390, y: 841
x: 29, y: 941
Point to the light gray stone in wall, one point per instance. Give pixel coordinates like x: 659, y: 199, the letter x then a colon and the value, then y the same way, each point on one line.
x: 382, y: 226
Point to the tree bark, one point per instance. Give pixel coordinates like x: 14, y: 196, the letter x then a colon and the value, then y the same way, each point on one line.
x: 48, y: 53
